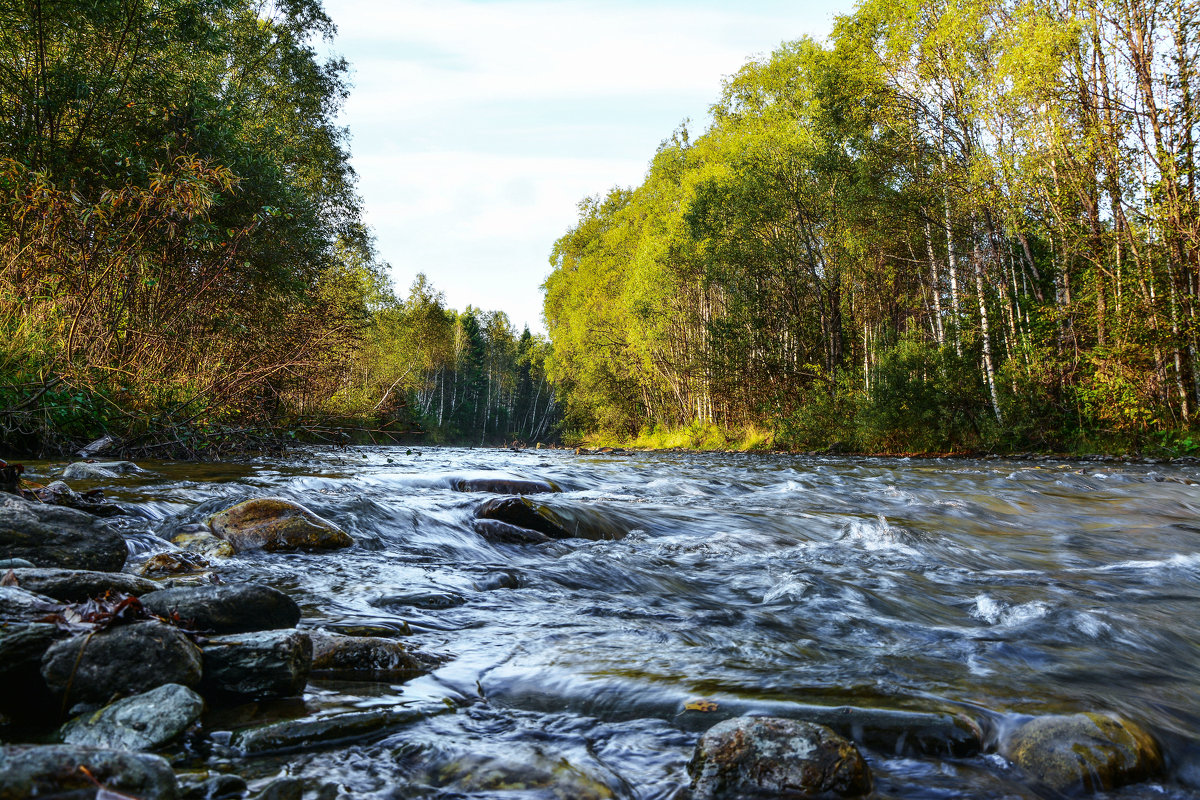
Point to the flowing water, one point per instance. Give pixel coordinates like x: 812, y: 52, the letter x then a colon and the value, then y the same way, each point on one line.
x: 993, y: 588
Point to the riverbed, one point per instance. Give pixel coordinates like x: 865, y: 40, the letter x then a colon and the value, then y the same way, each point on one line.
x: 990, y: 589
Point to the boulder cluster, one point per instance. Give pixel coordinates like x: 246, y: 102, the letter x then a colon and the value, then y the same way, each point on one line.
x: 114, y: 667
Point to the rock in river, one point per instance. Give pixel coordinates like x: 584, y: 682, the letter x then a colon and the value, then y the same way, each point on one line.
x: 272, y: 523
x: 142, y: 722
x: 54, y: 771
x: 94, y: 667
x: 371, y: 657
x: 22, y: 645
x: 99, y: 470
x: 773, y: 757
x: 230, y: 608
x: 77, y: 585
x: 260, y: 664
x: 20, y: 604
x: 561, y: 522
x: 55, y: 536
x: 1077, y: 753
x: 500, y: 485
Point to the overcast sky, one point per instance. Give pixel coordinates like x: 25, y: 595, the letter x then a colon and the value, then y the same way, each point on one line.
x: 478, y: 125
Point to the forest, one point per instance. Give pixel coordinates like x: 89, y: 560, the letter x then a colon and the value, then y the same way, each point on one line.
x: 958, y: 225
x: 183, y: 261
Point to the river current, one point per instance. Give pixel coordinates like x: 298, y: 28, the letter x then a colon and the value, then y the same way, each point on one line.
x: 993, y: 588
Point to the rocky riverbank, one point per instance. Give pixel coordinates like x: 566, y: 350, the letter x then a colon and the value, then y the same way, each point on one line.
x: 113, y: 668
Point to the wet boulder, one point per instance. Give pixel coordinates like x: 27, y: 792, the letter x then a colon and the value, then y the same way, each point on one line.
x: 55, y: 536
x: 95, y: 667
x: 367, y: 657
x: 275, y: 524
x: 232, y: 608
x: 58, y: 493
x: 142, y: 722
x: 259, y: 664
x: 77, y: 585
x: 15, y: 563
x: 204, y: 544
x: 1079, y: 753
x: 502, y: 485
x: 54, y: 771
x: 560, y: 522
x: 770, y: 756
x: 99, y: 470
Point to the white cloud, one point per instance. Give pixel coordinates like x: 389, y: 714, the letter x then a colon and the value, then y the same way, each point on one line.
x: 478, y: 125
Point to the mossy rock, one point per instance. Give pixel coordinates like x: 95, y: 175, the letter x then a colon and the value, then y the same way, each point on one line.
x: 1079, y: 753
x: 272, y: 523
x: 204, y: 544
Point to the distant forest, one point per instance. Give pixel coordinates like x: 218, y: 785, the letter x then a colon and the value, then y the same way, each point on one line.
x: 958, y: 225
x: 183, y: 263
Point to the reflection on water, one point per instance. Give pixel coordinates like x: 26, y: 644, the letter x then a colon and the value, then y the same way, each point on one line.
x: 997, y: 587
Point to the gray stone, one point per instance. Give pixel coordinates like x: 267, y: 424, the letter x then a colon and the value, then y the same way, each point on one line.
x: 367, y: 657
x: 527, y: 772
x: 54, y: 771
x: 55, y: 536
x: 1077, y: 753
x: 15, y: 563
x: 98, y: 470
x: 272, y: 523
x: 231, y: 608
x: 260, y: 664
x: 77, y: 585
x: 95, y: 667
x: 752, y: 756
x: 174, y: 562
x: 504, y: 533
x: 142, y: 722
x: 20, y: 604
x: 282, y: 789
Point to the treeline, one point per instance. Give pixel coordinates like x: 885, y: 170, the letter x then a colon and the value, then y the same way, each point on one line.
x: 961, y: 224
x: 452, y: 377
x: 183, y: 263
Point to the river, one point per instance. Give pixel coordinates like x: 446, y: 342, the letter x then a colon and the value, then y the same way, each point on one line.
x: 991, y: 588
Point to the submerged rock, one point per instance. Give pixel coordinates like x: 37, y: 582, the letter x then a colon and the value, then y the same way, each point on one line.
x: 58, y: 493
x: 98, y: 470
x: 54, y: 771
x: 769, y: 756
x: 203, y: 544
x: 142, y: 722
x: 503, y: 533
x: 500, y: 485
x: 272, y: 523
x: 367, y: 657
x: 557, y: 523
x: 260, y: 664
x: 95, y: 667
x: 55, y: 536
x: 211, y: 787
x: 293, y: 734
x: 1077, y: 753
x: 526, y: 774
x: 233, y: 608
x: 77, y: 585
x: 175, y: 562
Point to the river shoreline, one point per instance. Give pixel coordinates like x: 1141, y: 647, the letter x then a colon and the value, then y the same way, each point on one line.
x: 612, y: 611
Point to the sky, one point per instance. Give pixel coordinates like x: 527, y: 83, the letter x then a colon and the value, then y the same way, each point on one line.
x: 477, y: 126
